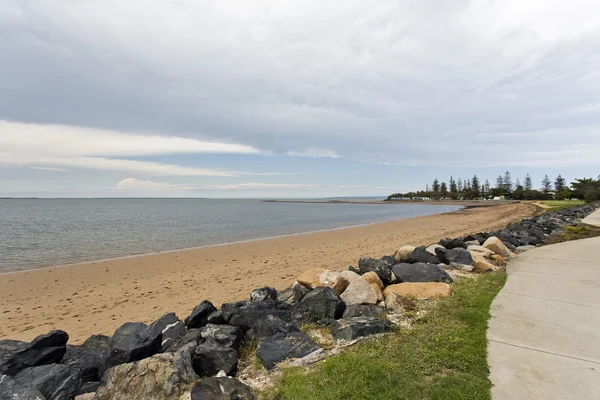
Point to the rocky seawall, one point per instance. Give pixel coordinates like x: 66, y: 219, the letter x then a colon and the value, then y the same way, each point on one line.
x: 198, y: 358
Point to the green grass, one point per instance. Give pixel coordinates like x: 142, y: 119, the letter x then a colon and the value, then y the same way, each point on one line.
x: 561, y: 204
x: 574, y: 233
x: 442, y: 357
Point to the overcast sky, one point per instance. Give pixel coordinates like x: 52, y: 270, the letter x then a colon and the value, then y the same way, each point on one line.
x: 293, y: 98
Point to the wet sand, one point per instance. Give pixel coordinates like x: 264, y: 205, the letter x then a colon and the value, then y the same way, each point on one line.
x: 98, y: 297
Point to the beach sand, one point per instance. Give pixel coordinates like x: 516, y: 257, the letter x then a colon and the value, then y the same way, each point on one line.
x: 98, y: 297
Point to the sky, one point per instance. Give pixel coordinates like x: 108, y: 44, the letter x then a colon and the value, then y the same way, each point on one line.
x: 290, y: 98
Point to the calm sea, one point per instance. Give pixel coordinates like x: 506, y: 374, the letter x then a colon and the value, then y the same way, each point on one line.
x: 36, y: 233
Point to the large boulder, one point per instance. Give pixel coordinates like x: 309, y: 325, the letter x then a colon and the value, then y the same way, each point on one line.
x: 90, y: 362
x: 404, y: 253
x: 397, y: 303
x: 221, y: 388
x: 481, y: 264
x: 276, y: 348
x: 269, y: 326
x: 245, y: 314
x: 420, y: 273
x: 264, y: 293
x: 453, y: 243
x: 161, y: 377
x: 193, y: 336
x: 323, y: 303
x: 222, y: 335
x: 359, y: 292
x: 12, y: 390
x: 354, y: 328
x: 480, y: 249
x: 373, y: 279
x: 363, y: 310
x: 199, y: 316
x: 171, y: 329
x: 432, y: 248
x: 43, y: 350
x: 479, y: 237
x: 317, y: 277
x: 494, y: 244
x: 382, y: 268
x: 210, y: 358
x: 294, y: 294
x: 423, y: 290
x: 349, y: 275
x: 421, y: 255
x: 99, y: 343
x: 456, y: 255
x: 133, y: 341
x: 54, y: 381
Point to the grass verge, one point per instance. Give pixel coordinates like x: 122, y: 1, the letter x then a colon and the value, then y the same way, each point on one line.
x: 555, y: 205
x: 444, y: 356
x: 574, y: 233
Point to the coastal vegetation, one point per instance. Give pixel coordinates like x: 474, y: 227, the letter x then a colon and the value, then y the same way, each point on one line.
x: 586, y: 189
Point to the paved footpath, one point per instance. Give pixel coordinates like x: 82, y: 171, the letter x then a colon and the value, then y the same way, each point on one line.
x: 544, y: 334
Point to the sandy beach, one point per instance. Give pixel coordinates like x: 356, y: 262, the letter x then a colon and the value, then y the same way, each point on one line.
x: 98, y: 297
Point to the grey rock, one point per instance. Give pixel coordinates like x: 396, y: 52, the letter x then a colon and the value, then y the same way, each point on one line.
x: 43, y: 350
x: 382, y: 268
x: 269, y: 326
x: 354, y: 328
x: 12, y: 390
x: 210, y: 359
x: 191, y: 336
x: 421, y: 255
x: 323, y: 302
x: 88, y: 361
x: 457, y: 255
x: 170, y: 328
x: 222, y: 335
x: 199, y: 316
x: 265, y: 293
x: 363, y: 310
x: 276, y: 348
x: 216, y: 318
x: 133, y: 341
x: 54, y: 381
x: 293, y: 295
x: 453, y: 243
x: 245, y: 314
x: 222, y: 388
x: 99, y: 343
x: 420, y: 273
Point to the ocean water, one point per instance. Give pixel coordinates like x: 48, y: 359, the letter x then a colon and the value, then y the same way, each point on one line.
x: 46, y: 232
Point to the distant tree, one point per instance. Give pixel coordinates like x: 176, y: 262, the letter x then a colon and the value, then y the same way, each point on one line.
x: 499, y: 186
x: 518, y: 183
x: 559, y: 184
x: 475, y: 187
x: 444, y: 189
x: 436, y: 185
x: 546, y: 184
x: 453, y: 188
x: 519, y: 192
x: 586, y: 189
x: 460, y: 185
x: 527, y: 184
x: 507, y: 183
x: 486, y: 188
x: 427, y: 188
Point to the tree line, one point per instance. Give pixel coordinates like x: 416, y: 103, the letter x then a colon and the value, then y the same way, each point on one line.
x: 473, y: 189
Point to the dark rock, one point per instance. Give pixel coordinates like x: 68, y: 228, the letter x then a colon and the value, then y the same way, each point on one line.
x: 228, y: 309
x: 276, y: 348
x: 265, y: 293
x: 223, y: 388
x: 192, y: 336
x: 293, y: 295
x: 352, y: 269
x: 244, y: 315
x: 350, y: 329
x: 199, y: 317
x: 216, y: 318
x: 12, y: 390
x: 363, y: 310
x: 456, y: 255
x: 323, y: 302
x: 480, y: 237
x: 54, y: 381
x: 507, y: 238
x: 90, y: 362
x: 133, y: 341
x: 389, y: 260
x: 222, y: 335
x: 170, y: 328
x: 269, y: 326
x: 382, y: 268
x: 99, y: 343
x: 453, y: 243
x: 210, y: 359
x: 420, y: 255
x: 420, y: 273
x: 88, y: 387
x: 44, y: 349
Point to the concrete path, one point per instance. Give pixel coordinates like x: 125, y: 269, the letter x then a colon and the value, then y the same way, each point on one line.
x: 544, y: 334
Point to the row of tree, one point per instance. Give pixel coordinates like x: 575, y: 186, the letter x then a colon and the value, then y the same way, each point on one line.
x: 472, y: 189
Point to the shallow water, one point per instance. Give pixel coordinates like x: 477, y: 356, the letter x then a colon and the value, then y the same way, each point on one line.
x: 44, y: 232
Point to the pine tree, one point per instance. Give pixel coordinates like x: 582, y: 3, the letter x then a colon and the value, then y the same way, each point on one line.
x: 444, y: 189
x: 460, y: 185
x: 487, y: 188
x: 475, y: 186
x: 527, y: 183
x: 559, y: 184
x: 500, y: 183
x: 453, y: 188
x: 546, y: 184
x: 507, y: 181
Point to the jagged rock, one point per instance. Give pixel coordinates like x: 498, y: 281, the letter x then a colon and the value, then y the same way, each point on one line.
x: 363, y: 310
x: 12, y: 390
x: 378, y: 292
x: 508, y: 239
x: 293, y: 295
x: 43, y: 350
x: 222, y: 388
x: 215, y: 318
x: 494, y: 244
x: 191, y: 336
x: 245, y: 314
x: 397, y: 303
x: 424, y: 290
x: 133, y: 341
x: 170, y: 328
x: 323, y: 303
x: 163, y: 376
x: 359, y: 292
x: 310, y: 277
x: 349, y: 275
x: 420, y: 273
x: 199, y: 316
x: 420, y: 255
x: 453, y: 243
x: 373, y: 278
x: 88, y: 388
x: 100, y: 343
x: 480, y: 263
x: 269, y: 326
x: 222, y: 335
x: 352, y: 269
x: 462, y: 267
x: 390, y: 260
x: 431, y: 248
x: 382, y: 268
x: 472, y: 243
x: 350, y: 329
x: 480, y: 237
x: 456, y: 255
x: 54, y: 381
x: 90, y: 362
x: 317, y: 277
x: 276, y: 348
x: 404, y: 253
x: 480, y: 249
x: 210, y: 358
x: 264, y: 293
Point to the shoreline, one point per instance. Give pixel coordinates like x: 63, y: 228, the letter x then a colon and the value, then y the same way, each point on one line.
x: 97, y: 297
x: 222, y: 243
